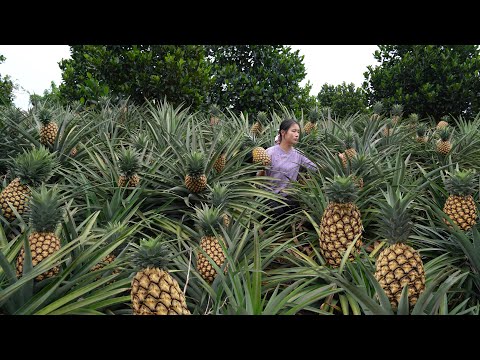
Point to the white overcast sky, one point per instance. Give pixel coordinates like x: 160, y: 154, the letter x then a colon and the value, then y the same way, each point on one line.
x: 34, y: 67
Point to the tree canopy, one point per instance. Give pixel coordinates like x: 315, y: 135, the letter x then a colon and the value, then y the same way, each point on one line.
x: 344, y: 99
x: 430, y: 80
x: 6, y: 87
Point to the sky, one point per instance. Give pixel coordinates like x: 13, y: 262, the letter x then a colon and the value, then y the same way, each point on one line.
x: 34, y: 67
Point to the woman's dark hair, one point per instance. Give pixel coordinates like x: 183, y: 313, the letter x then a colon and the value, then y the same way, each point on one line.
x: 285, y: 125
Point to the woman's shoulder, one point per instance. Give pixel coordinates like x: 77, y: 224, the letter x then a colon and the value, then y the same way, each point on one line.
x: 272, y: 149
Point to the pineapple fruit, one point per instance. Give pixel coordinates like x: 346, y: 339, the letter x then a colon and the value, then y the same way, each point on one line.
x: 399, y: 264
x: 195, y: 179
x: 396, y: 112
x: 45, y: 214
x: 443, y: 122
x: 32, y: 168
x: 421, y: 134
x: 341, y: 221
x: 154, y: 291
x: 258, y: 153
x: 313, y: 117
x: 221, y: 161
x: 261, y: 120
x: 129, y: 164
x: 208, y: 220
x: 460, y: 205
x: 215, y: 114
x: 348, y: 144
x: 48, y: 128
x: 443, y: 144
x: 388, y: 129
x: 377, y: 111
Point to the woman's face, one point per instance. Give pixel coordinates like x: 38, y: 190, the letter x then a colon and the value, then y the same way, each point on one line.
x: 292, y: 135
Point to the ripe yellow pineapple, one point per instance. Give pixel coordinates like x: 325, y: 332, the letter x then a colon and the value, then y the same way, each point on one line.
x: 32, y: 168
x: 195, y: 179
x: 443, y: 144
x: 129, y: 164
x: 399, y: 264
x: 208, y: 220
x: 396, y: 113
x: 460, y: 205
x: 261, y: 120
x: 341, y: 221
x: 154, y: 290
x: 313, y: 117
x: 48, y: 128
x: 421, y: 134
x: 377, y: 111
x: 443, y: 122
x: 45, y: 214
x: 221, y: 161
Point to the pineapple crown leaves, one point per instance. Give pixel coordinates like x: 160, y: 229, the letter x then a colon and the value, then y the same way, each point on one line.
x: 325, y: 112
x: 413, y: 117
x: 397, y: 109
x: 208, y: 219
x: 262, y: 117
x: 153, y: 253
x: 14, y: 114
x: 219, y: 195
x: 195, y: 162
x: 341, y: 189
x: 389, y: 123
x: 128, y: 161
x: 445, y: 118
x: 460, y: 182
x: 45, y: 115
x: 421, y: 130
x: 140, y: 140
x: 394, y: 219
x: 313, y: 114
x: 349, y: 140
x: 359, y: 163
x: 45, y: 210
x: 444, y: 133
x: 34, y: 166
x: 215, y: 111
x: 378, y: 107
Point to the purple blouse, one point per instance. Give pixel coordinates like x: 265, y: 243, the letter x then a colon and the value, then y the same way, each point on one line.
x: 285, y: 166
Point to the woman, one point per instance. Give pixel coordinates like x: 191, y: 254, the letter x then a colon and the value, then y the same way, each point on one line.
x: 285, y: 164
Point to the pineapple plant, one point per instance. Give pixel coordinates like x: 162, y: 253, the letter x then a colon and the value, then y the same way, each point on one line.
x: 259, y: 153
x: 215, y: 114
x: 359, y: 167
x: 45, y: 214
x: 313, y: 117
x: 399, y: 264
x: 154, y: 291
x: 341, y: 221
x: 460, y: 206
x: 129, y: 165
x: 31, y: 168
x: 221, y: 161
x: 443, y: 122
x: 219, y: 198
x: 257, y: 127
x: 195, y: 179
x: 208, y: 221
x: 377, y: 111
x: 396, y: 113
x: 413, y: 121
x: 443, y: 144
x: 48, y: 128
x: 421, y: 134
x: 388, y: 129
x: 348, y: 145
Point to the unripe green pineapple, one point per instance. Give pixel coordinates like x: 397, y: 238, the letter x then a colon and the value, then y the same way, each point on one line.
x: 399, y: 264
x: 208, y: 221
x: 396, y: 113
x: 460, y: 206
x: 31, y: 168
x: 154, y: 291
x: 45, y: 214
x: 261, y: 121
x: 129, y: 164
x: 313, y: 117
x: 341, y: 221
x: 421, y: 134
x: 195, y: 179
x: 48, y: 128
x: 443, y: 144
x: 377, y: 110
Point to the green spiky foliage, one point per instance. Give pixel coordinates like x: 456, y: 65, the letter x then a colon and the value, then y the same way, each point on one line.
x: 444, y: 133
x: 151, y: 253
x: 413, y: 117
x: 128, y: 161
x: 208, y: 219
x: 313, y: 115
x: 45, y: 116
x: 349, y: 145
x: 326, y: 112
x: 262, y: 118
x: 45, y: 209
x: 445, y: 118
x: 341, y: 190
x: 140, y: 141
x: 461, y: 182
x: 34, y: 166
x: 378, y: 108
x: 195, y: 163
x: 398, y: 265
x: 397, y: 110
x: 219, y: 196
x: 215, y: 111
x: 421, y: 130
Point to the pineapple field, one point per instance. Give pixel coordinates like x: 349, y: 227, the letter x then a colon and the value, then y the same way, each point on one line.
x: 122, y: 209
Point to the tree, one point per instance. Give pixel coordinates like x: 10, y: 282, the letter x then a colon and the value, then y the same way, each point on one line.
x: 6, y: 87
x: 181, y: 74
x: 430, y: 80
x: 343, y: 99
x: 51, y: 96
x: 253, y: 78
